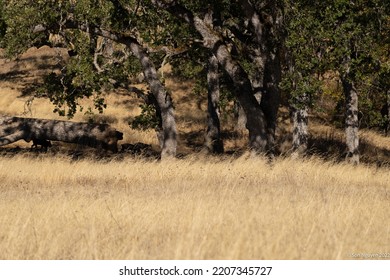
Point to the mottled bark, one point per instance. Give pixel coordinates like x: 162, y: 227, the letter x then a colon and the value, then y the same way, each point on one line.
x: 212, y: 40
x: 351, y: 118
x: 256, y: 123
x: 255, y: 20
x: 241, y: 118
x: 299, y: 119
x: 213, y: 141
x: 168, y: 132
x: 101, y: 136
x: 265, y: 54
x: 258, y: 51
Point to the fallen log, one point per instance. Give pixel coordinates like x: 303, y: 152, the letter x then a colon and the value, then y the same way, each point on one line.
x: 100, y: 136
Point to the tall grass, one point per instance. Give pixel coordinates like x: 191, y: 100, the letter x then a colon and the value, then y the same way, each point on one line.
x: 53, y: 208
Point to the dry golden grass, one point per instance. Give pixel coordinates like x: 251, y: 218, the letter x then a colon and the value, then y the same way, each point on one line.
x: 52, y: 208
x: 370, y: 137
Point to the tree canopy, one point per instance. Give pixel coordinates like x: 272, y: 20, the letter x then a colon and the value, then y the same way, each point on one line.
x: 265, y: 50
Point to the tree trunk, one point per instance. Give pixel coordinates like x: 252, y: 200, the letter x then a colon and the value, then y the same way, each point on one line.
x: 270, y: 98
x: 387, y: 128
x: 351, y: 118
x: 168, y: 132
x: 241, y: 118
x: 100, y: 136
x: 266, y: 58
x: 212, y: 40
x: 256, y: 123
x: 299, y: 118
x: 213, y: 141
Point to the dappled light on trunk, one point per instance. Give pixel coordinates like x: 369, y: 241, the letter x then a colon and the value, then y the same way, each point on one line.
x: 100, y: 136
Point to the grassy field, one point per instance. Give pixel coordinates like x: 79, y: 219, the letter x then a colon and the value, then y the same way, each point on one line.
x: 53, y: 206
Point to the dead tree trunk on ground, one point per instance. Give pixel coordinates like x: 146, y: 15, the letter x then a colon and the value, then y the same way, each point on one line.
x: 101, y: 136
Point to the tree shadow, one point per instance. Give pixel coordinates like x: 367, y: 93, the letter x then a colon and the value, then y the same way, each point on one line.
x: 74, y: 152
x: 336, y: 150
x: 30, y: 78
x: 328, y: 149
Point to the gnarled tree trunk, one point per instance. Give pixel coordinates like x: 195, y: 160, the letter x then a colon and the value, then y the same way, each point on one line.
x: 212, y: 40
x: 351, y: 117
x: 299, y: 119
x: 270, y: 98
x: 213, y: 141
x: 168, y: 133
x: 256, y: 123
x: 266, y: 59
x: 101, y: 136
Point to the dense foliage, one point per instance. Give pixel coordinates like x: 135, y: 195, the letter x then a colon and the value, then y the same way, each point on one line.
x: 305, y: 39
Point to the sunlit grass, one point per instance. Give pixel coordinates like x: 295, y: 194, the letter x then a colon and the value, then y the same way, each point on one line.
x: 55, y: 207
x: 52, y: 208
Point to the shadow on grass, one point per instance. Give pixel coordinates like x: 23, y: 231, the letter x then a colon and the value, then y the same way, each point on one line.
x: 76, y: 152
x: 30, y: 79
x: 328, y: 148
x: 335, y: 150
